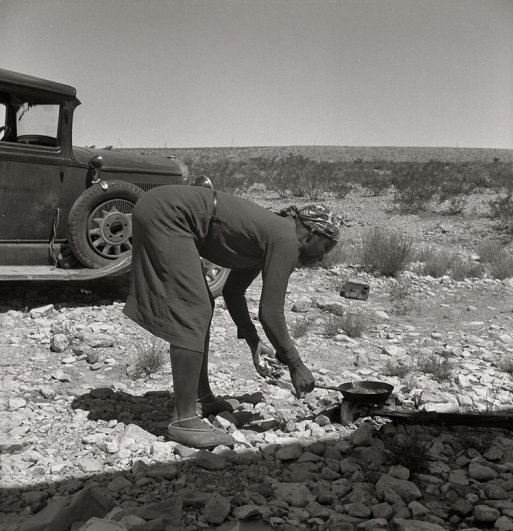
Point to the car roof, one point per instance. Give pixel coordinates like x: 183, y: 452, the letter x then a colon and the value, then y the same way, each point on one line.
x: 10, y: 78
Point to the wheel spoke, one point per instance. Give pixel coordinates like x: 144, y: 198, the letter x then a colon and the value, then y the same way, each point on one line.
x: 117, y: 249
x: 98, y: 242
x: 107, y: 249
x: 95, y: 232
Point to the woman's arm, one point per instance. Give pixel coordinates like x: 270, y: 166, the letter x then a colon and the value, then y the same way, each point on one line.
x: 234, y: 294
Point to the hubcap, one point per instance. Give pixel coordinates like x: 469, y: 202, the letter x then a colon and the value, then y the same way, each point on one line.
x: 110, y: 229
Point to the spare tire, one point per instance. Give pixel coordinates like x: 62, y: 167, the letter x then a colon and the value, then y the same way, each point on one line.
x: 100, y: 223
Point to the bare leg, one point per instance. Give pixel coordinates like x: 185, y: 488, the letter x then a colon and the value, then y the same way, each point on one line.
x: 204, y: 389
x: 186, y: 367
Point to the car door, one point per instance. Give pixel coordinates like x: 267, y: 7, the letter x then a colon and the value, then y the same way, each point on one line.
x: 31, y: 173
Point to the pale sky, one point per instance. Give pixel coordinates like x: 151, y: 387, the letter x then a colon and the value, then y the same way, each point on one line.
x: 195, y: 73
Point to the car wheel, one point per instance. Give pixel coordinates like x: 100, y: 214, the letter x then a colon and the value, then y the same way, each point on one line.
x: 216, y: 277
x: 100, y: 223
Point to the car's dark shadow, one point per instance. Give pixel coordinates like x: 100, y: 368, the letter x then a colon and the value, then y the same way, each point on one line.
x: 25, y: 295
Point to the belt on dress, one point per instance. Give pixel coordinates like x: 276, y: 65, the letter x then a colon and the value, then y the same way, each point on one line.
x: 214, y: 210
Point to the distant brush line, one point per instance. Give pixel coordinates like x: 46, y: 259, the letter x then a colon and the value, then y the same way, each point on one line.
x: 341, y: 153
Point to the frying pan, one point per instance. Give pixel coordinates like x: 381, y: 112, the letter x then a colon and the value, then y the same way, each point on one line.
x: 363, y: 392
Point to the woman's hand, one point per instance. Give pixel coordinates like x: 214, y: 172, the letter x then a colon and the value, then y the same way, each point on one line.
x: 265, y: 362
x: 302, y: 378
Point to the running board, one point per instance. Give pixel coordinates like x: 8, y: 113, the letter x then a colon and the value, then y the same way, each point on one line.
x: 21, y: 273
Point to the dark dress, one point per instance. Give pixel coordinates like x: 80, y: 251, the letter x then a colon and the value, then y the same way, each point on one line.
x: 172, y: 227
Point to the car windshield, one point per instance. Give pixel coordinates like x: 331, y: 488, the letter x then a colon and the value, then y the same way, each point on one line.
x: 37, y: 119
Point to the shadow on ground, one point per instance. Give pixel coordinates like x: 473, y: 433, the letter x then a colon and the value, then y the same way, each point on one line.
x: 23, y: 296
x: 172, y: 490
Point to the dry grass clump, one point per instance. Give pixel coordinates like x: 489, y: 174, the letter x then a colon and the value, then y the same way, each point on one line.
x: 401, y: 296
x: 478, y: 439
x: 440, y: 368
x: 464, y: 268
x: 502, y: 266
x: 354, y: 323
x: 385, y: 251
x: 497, y: 261
x: 333, y: 325
x: 300, y: 327
x: 434, y: 262
x: 410, y: 451
x: 399, y: 368
x: 345, y: 252
x: 151, y: 355
x: 488, y: 250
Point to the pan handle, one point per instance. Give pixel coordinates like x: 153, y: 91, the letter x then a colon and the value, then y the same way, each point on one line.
x: 330, y: 387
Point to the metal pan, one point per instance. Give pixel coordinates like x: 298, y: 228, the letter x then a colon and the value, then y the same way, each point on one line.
x: 363, y: 392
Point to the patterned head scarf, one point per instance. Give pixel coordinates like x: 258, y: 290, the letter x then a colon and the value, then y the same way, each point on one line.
x: 318, y: 218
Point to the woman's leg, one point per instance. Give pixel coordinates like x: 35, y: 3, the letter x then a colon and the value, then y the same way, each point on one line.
x: 186, y: 366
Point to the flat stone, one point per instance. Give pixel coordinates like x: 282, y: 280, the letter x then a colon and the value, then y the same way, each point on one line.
x: 362, y: 436
x: 485, y: 514
x: 296, y: 494
x: 15, y: 403
x: 481, y: 473
x: 244, y: 512
x: 42, y: 311
x: 163, y: 451
x: 209, y: 461
x: 119, y: 483
x: 162, y: 470
x: 504, y: 524
x: 59, y: 343
x: 217, y: 509
x: 360, y: 510
x: 89, y: 464
x: 289, y: 452
x: 407, y: 490
x: 416, y: 525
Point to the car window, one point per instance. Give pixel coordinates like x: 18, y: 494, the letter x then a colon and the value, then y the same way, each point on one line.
x: 37, y: 120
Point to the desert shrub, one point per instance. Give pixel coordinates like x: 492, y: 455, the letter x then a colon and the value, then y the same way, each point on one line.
x: 410, y: 451
x: 333, y: 325
x: 437, y: 262
x: 354, y: 323
x: 385, y: 251
x: 150, y: 355
x: 506, y: 364
x: 397, y: 368
x: 225, y: 174
x: 300, y: 327
x: 439, y: 367
x: 416, y: 185
x: 401, y: 296
x: 457, y: 184
x: 488, y: 250
x: 478, y: 439
x: 345, y: 252
x: 464, y: 268
x: 317, y: 179
x: 288, y: 173
x: 341, y: 186
x: 501, y: 267
x: 502, y: 209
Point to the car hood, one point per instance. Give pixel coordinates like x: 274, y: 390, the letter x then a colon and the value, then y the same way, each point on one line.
x: 131, y: 162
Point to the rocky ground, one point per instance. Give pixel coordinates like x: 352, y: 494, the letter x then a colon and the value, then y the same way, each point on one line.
x: 76, y: 419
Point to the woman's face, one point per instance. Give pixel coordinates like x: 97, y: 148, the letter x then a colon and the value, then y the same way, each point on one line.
x: 314, y: 250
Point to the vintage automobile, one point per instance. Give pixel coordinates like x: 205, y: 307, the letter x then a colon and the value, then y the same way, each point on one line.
x: 65, y: 211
